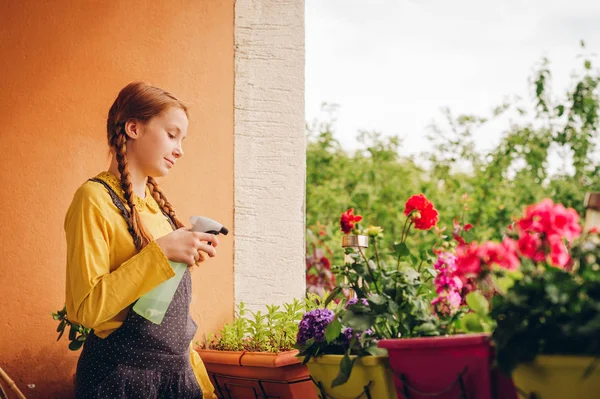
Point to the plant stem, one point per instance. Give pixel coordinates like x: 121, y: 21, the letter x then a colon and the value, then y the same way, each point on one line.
x: 404, y: 228
x: 370, y: 271
x: 403, y: 237
x: 376, y: 253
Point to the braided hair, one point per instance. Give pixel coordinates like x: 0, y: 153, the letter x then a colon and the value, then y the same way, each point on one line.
x: 138, y: 101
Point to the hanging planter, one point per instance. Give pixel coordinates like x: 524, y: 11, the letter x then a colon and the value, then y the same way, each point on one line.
x: 554, y: 377
x: 242, y: 375
x: 448, y: 367
x: 371, y: 377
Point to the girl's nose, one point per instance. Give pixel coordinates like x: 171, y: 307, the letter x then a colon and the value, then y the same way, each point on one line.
x: 178, y: 152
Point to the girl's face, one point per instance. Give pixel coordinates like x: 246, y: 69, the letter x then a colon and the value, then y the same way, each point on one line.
x: 155, y: 146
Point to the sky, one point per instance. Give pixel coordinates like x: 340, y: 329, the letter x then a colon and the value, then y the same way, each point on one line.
x: 391, y: 65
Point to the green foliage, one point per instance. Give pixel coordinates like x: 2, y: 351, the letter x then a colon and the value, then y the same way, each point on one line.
x: 273, y: 331
x: 375, y: 179
x: 392, y: 300
x: 551, y: 311
x: 478, y: 320
x: 77, y: 333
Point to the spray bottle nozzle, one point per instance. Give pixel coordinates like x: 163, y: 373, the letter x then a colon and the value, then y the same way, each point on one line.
x: 206, y: 225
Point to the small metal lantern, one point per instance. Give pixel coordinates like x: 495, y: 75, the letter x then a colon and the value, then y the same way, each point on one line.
x: 349, y: 241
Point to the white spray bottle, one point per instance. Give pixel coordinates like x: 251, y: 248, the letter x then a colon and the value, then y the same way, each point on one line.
x: 153, y: 305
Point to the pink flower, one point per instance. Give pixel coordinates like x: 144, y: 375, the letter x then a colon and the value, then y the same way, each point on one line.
x: 447, y: 304
x: 445, y: 279
x: 530, y: 246
x: 543, y: 230
x: 509, y: 259
x: 566, y: 222
x: 468, y: 261
x: 559, y: 255
x: 550, y: 219
x: 472, y: 259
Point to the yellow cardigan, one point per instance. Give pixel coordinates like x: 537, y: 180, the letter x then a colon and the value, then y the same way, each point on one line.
x: 105, y: 272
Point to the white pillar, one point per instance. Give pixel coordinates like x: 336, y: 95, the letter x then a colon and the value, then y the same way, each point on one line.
x: 270, y: 152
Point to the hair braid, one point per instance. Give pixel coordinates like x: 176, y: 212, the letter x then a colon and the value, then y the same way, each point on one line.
x: 142, y: 102
x: 163, y: 202
x: 141, y: 236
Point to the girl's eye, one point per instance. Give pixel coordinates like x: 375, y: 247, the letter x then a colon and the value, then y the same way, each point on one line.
x: 172, y: 136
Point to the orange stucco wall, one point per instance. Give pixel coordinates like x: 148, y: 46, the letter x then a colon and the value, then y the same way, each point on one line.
x: 62, y: 64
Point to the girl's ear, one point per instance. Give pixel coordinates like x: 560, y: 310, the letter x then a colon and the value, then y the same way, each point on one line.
x: 132, y: 129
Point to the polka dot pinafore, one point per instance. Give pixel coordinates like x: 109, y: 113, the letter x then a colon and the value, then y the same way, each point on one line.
x: 141, y: 359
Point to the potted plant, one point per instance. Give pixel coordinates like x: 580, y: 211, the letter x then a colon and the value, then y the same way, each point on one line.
x: 344, y: 362
x: 392, y: 300
x: 548, y: 320
x: 414, y: 308
x: 254, y: 355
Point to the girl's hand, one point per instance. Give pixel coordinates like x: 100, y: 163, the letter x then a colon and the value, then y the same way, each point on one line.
x: 187, y: 246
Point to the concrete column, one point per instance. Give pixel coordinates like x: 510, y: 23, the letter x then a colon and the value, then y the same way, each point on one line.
x: 269, y: 152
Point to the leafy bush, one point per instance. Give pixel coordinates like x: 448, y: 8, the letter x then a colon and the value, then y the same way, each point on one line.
x: 497, y: 183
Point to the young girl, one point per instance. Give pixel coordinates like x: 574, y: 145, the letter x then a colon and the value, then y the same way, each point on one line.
x: 121, y: 233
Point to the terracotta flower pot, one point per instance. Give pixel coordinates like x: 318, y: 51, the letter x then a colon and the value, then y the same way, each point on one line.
x: 241, y: 375
x: 458, y: 366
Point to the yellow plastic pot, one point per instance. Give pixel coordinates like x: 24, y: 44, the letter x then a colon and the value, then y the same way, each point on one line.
x: 373, y: 372
x: 559, y: 377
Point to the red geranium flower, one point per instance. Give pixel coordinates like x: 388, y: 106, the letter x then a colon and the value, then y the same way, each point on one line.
x: 348, y: 219
x: 424, y: 215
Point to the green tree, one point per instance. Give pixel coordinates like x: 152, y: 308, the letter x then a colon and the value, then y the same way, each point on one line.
x: 376, y: 180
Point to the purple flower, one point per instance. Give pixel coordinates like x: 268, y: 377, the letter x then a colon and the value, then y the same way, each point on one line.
x: 354, y: 301
x: 313, y: 325
x: 349, y: 332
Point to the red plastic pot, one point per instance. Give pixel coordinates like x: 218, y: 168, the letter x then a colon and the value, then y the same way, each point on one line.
x: 450, y: 367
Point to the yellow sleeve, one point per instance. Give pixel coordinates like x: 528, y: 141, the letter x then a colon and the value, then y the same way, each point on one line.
x: 94, y: 294
x: 208, y: 390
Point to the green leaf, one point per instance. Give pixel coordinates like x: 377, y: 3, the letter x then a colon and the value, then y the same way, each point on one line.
x: 345, y: 371
x: 333, y: 330
x: 478, y: 303
x: 554, y: 293
x: 376, y: 299
x: 61, y: 326
x: 427, y: 328
x: 373, y: 350
x: 75, y: 345
x: 560, y: 109
x: 61, y: 334
x: 431, y: 271
x: 357, y: 322
x: 401, y: 249
x: 72, y: 333
x: 504, y: 283
x: 471, y: 323
x: 332, y: 296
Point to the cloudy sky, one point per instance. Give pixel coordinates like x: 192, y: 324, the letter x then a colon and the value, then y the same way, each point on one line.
x: 391, y: 65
